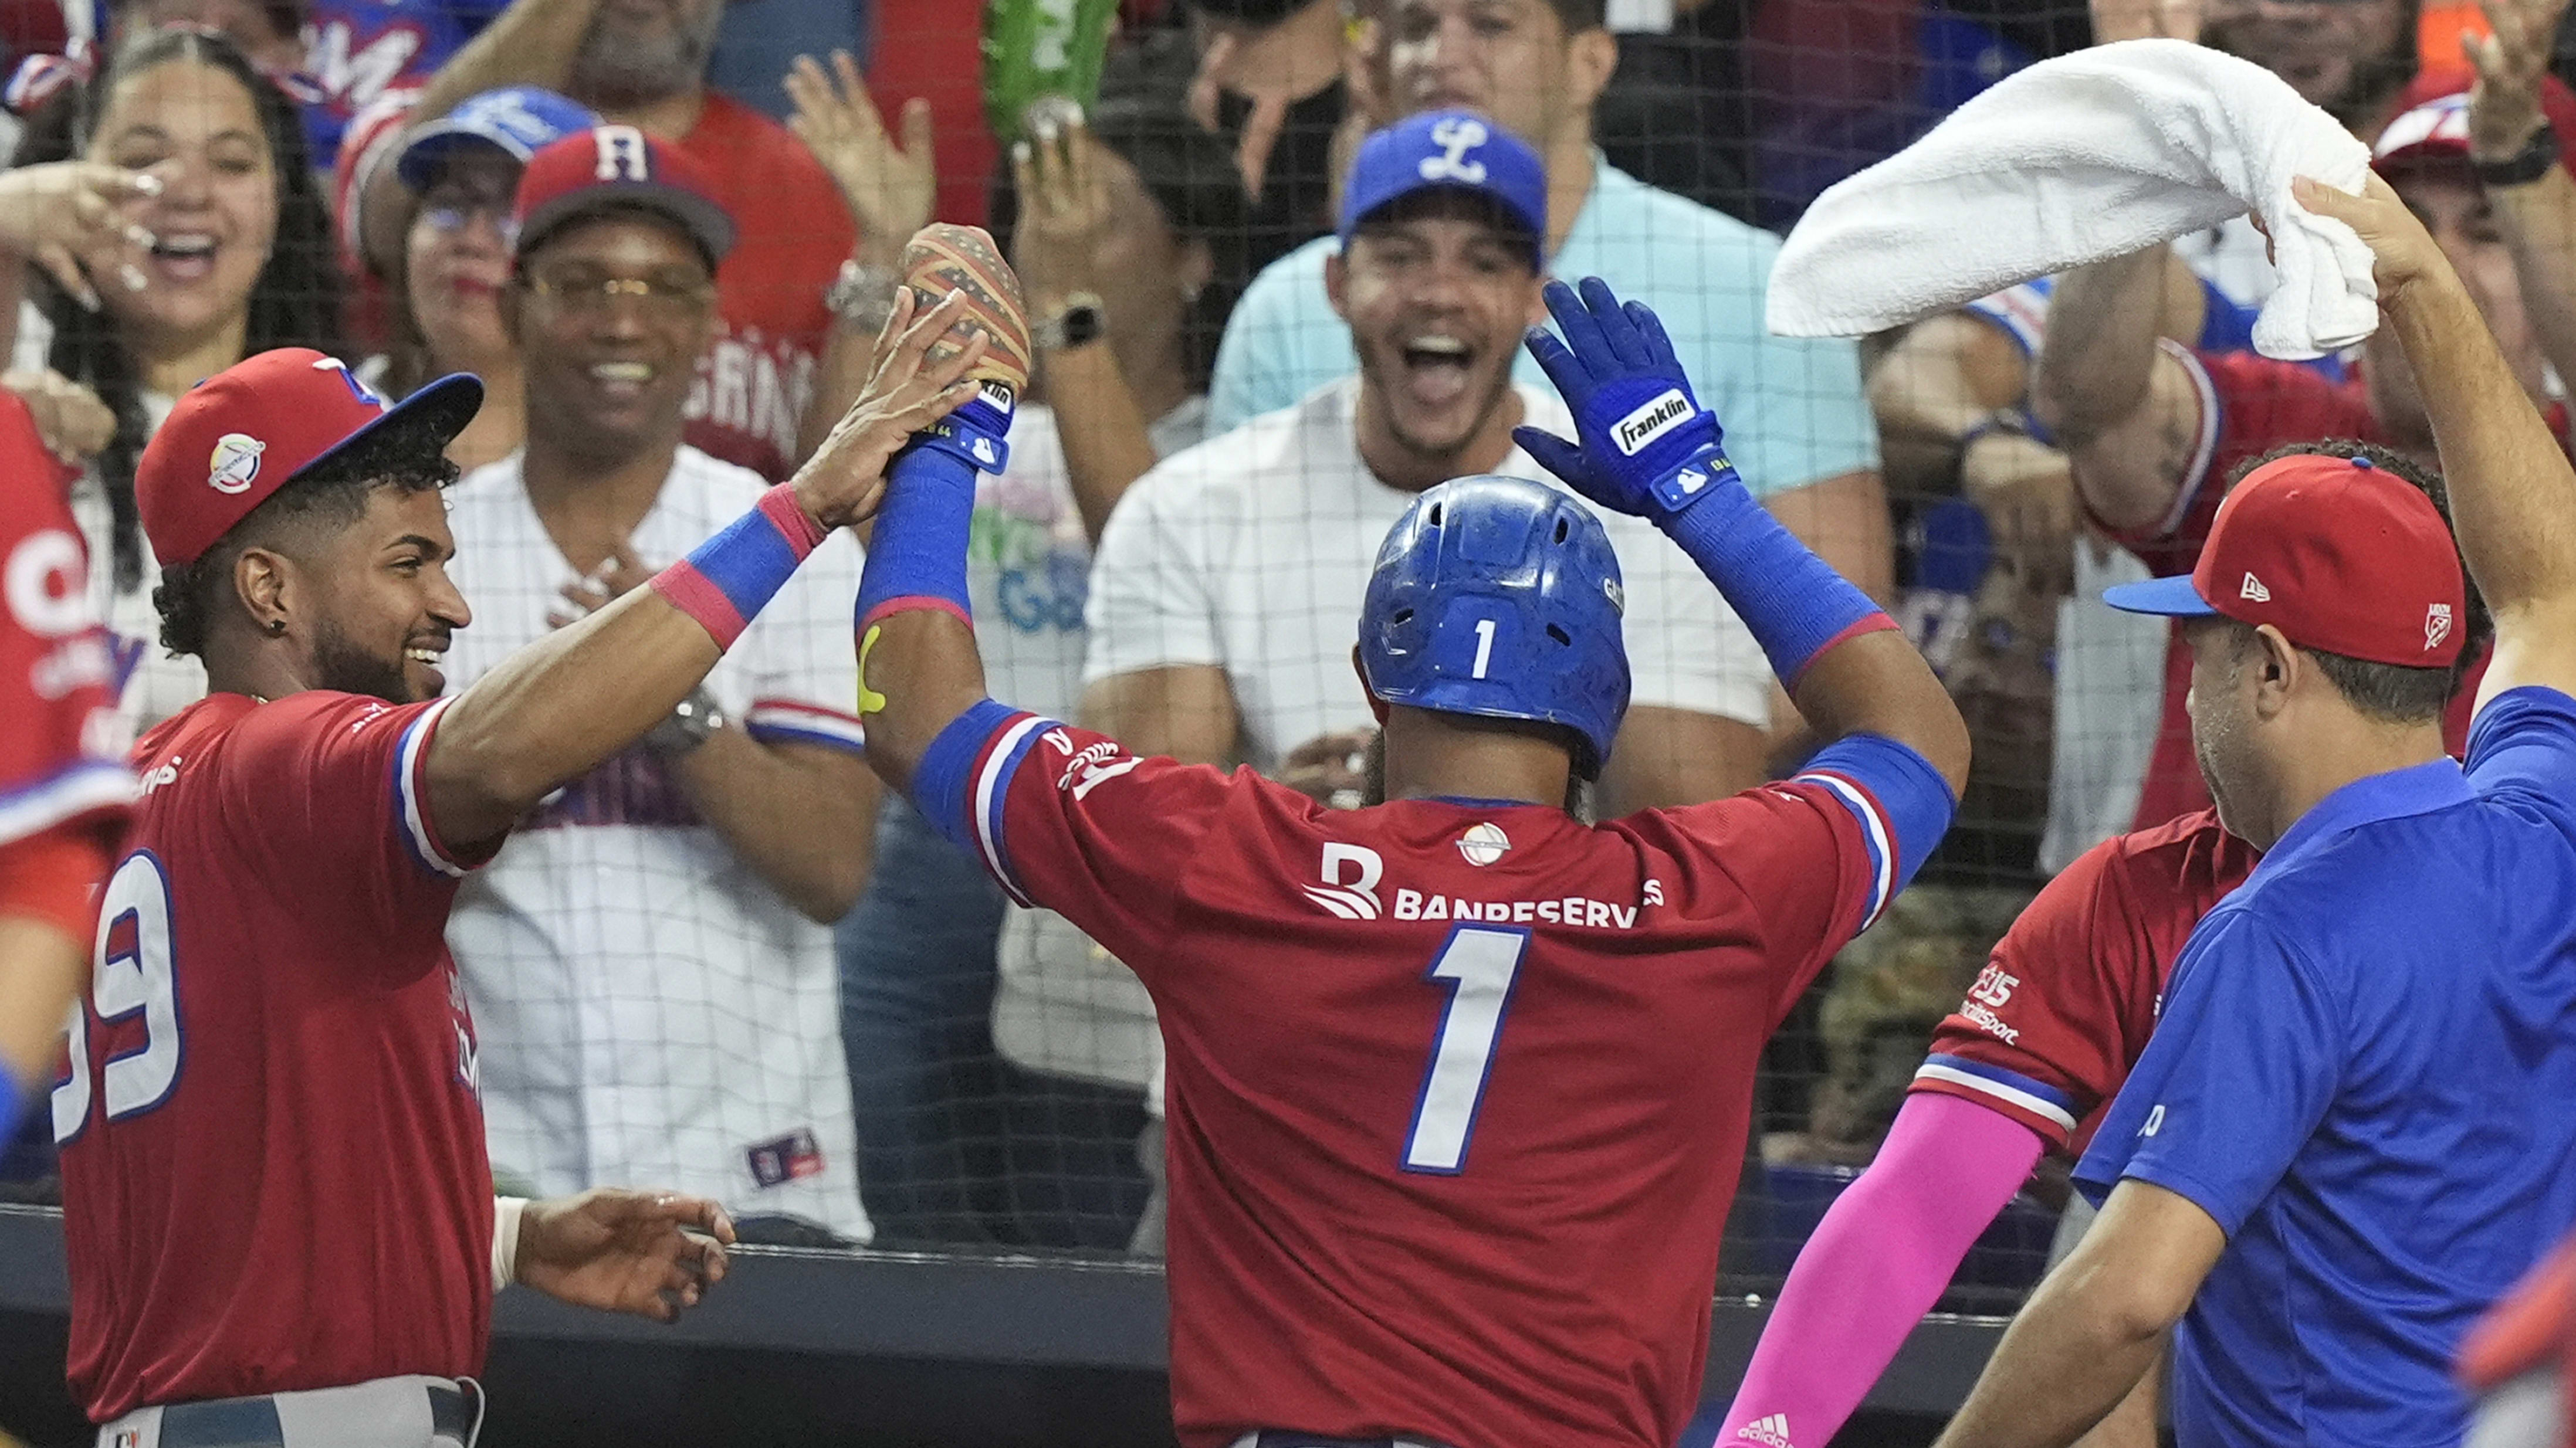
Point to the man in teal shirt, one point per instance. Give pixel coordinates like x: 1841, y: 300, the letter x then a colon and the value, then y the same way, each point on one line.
x: 1537, y: 66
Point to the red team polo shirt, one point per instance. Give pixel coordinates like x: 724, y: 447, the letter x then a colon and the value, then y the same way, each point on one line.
x: 273, y: 1164
x: 1458, y: 1091
x: 2249, y: 405
x: 2071, y: 994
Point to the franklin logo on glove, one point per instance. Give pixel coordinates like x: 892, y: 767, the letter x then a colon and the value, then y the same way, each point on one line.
x: 1653, y: 420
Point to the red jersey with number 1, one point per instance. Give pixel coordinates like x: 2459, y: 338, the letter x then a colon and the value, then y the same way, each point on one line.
x: 1458, y: 1090
x: 273, y: 1166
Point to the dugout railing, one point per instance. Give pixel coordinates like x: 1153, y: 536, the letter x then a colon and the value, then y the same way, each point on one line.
x: 867, y: 1348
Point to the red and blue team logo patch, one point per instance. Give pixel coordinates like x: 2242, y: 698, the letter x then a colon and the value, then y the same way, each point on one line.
x: 785, y: 1159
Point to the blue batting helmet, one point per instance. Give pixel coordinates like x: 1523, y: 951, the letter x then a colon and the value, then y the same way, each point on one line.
x: 1500, y: 597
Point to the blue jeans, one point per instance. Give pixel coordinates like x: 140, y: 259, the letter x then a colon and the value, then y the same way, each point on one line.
x: 956, y: 1144
x: 917, y: 974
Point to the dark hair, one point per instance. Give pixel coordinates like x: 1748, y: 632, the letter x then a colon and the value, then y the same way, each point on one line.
x: 294, y: 303
x: 2393, y: 693
x: 328, y: 496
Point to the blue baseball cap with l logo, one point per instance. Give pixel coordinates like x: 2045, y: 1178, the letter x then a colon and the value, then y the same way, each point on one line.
x: 1448, y: 150
x: 519, y: 121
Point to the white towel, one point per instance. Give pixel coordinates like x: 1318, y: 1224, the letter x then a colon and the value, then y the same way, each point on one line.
x: 2079, y: 159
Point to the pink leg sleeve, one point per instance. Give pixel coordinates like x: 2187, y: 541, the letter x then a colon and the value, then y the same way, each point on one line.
x: 1876, y: 1264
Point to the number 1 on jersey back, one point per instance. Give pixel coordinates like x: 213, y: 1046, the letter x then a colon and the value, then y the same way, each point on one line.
x: 1480, y: 964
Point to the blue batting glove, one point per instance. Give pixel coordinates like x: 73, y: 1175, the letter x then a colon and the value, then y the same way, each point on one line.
x: 1648, y: 447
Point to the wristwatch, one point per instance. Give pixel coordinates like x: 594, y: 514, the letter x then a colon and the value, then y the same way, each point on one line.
x: 1077, y: 323
x: 2525, y: 166
x: 691, y: 722
x: 862, y: 295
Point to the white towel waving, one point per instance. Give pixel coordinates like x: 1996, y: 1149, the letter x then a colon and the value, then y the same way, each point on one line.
x: 2076, y: 160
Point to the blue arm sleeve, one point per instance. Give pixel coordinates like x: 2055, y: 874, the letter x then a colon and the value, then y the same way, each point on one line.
x: 1903, y: 804
x: 940, y: 785
x: 11, y: 1100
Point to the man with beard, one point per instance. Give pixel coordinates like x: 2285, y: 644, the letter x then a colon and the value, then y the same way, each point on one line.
x: 278, y: 1213
x: 643, y: 63
x: 650, y: 957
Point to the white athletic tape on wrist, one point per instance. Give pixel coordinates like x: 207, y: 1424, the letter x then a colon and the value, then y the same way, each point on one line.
x: 506, y: 1212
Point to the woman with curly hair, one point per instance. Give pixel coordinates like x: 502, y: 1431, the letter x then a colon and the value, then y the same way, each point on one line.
x: 231, y: 256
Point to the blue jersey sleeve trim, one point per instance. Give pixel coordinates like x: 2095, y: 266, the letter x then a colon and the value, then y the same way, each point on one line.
x: 1903, y: 804
x: 419, y: 833
x: 2038, y: 1098
x: 964, y: 782
x: 12, y: 1101
x: 947, y: 768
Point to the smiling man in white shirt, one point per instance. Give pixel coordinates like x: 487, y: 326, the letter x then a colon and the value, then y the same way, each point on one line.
x: 649, y: 957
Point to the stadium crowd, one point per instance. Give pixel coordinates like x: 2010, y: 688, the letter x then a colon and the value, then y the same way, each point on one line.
x: 726, y: 962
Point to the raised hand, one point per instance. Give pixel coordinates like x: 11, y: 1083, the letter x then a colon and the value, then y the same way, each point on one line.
x: 889, y: 188
x: 73, y: 423
x: 844, y: 480
x: 1647, y: 446
x: 1065, y: 211
x: 58, y: 213
x: 1330, y: 769
x: 2504, y: 106
x: 2402, y: 251
x: 647, y: 1253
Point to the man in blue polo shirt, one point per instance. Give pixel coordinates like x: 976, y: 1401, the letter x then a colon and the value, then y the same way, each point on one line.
x: 2353, y: 1129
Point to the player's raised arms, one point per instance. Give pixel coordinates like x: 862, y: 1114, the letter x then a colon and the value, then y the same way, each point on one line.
x: 2513, y: 493
x: 582, y: 693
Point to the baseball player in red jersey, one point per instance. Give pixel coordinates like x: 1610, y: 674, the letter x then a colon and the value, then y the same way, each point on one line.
x: 64, y: 787
x: 1458, y: 1083
x: 2026, y: 1065
x: 277, y: 1057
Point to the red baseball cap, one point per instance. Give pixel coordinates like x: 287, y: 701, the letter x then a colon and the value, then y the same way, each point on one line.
x: 2433, y: 119
x: 608, y: 167
x: 236, y: 438
x: 2334, y: 553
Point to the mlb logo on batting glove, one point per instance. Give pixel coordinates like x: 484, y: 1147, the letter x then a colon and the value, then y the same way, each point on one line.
x: 1647, y: 446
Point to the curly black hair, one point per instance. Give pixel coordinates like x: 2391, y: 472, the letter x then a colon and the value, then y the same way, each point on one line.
x: 294, y: 303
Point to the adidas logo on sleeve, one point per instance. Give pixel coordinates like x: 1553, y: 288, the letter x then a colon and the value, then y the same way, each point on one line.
x: 1772, y: 1432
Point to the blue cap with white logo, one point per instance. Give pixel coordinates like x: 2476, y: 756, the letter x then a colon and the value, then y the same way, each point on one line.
x: 1457, y: 150
x: 521, y: 120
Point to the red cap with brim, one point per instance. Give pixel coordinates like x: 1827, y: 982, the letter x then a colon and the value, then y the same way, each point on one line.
x: 610, y: 167
x: 236, y: 438
x: 2336, y: 554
